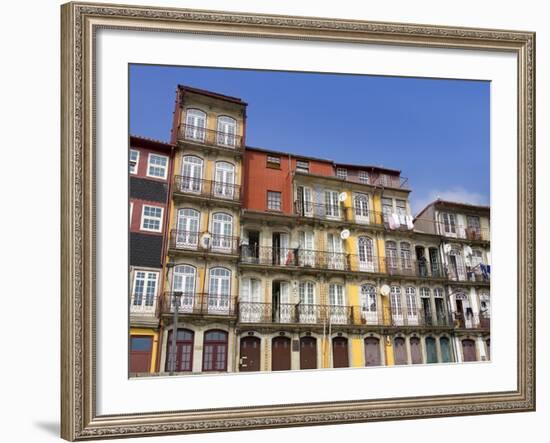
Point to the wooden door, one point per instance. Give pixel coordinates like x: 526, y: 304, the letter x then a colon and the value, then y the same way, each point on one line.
x: 431, y: 351
x: 308, y: 353
x: 280, y: 354
x: 445, y: 346
x: 372, y: 352
x: 140, y: 354
x: 469, y: 350
x: 340, y: 356
x: 250, y: 354
x: 416, y: 350
x: 399, y: 351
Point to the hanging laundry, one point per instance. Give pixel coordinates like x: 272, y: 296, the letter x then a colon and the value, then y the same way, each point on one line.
x: 394, y: 221
x: 409, y: 221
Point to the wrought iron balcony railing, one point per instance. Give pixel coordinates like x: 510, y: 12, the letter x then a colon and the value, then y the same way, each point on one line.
x: 313, y: 314
x: 472, y: 320
x: 204, y: 241
x: 339, y: 261
x: 198, y: 303
x: 338, y: 212
x: 143, y: 304
x: 207, y: 188
x: 198, y: 134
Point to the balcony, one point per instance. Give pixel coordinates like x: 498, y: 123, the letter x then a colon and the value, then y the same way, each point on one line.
x: 310, y: 314
x: 338, y: 212
x: 209, y: 137
x: 143, y: 305
x: 410, y: 267
x: 457, y: 231
x: 479, y: 273
x: 294, y: 258
x: 205, y: 242
x: 337, y: 261
x: 207, y: 189
x: 198, y: 304
x: 471, y: 320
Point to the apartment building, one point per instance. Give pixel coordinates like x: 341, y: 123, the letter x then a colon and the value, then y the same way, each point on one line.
x: 150, y: 174
x: 276, y: 261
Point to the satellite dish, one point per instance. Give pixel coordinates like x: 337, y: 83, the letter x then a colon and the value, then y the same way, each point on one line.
x: 385, y: 290
x: 342, y: 196
x: 344, y: 235
x: 205, y: 240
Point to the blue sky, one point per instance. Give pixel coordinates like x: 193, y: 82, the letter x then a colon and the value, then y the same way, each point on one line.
x: 435, y: 131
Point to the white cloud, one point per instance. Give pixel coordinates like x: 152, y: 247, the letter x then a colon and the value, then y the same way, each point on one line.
x: 456, y: 194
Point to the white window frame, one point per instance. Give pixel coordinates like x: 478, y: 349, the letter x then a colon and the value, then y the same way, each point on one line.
x: 342, y: 173
x: 302, y: 166
x: 151, y: 154
x: 143, y: 217
x: 363, y: 177
x: 143, y: 307
x: 135, y: 167
x: 280, y: 194
x: 131, y: 212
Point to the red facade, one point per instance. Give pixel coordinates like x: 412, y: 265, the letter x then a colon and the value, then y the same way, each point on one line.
x: 260, y: 176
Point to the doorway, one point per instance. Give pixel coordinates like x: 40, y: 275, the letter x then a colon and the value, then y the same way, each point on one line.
x: 308, y: 353
x: 340, y: 356
x: 250, y: 354
x: 280, y: 354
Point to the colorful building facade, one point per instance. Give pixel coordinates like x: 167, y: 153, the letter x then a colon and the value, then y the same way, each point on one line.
x: 277, y: 261
x: 150, y: 175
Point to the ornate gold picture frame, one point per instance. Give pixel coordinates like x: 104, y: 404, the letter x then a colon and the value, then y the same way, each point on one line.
x: 80, y: 22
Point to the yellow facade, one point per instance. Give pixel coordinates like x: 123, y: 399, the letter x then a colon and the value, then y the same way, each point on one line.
x: 154, y: 348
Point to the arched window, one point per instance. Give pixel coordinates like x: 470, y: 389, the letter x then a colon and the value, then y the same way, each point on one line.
x: 183, y: 282
x: 222, y: 231
x: 391, y: 256
x: 395, y: 304
x: 405, y: 249
x: 361, y: 206
x: 366, y: 254
x: 183, y: 352
x: 219, y: 290
x: 214, y: 357
x: 306, y: 307
x: 369, y: 306
x: 227, y: 131
x: 337, y: 302
x: 195, y: 125
x: 224, y: 186
x: 191, y: 174
x: 412, y: 311
x: 187, y: 234
x: 456, y: 265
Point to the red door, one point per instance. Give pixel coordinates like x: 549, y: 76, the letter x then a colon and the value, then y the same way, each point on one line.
x: 184, y: 351
x: 416, y: 350
x: 340, y: 356
x: 469, y: 350
x: 308, y: 353
x: 372, y: 351
x: 250, y: 354
x: 140, y: 353
x: 280, y: 354
x: 399, y: 351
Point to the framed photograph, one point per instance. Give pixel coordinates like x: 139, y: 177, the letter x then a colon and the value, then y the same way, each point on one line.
x: 277, y: 221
